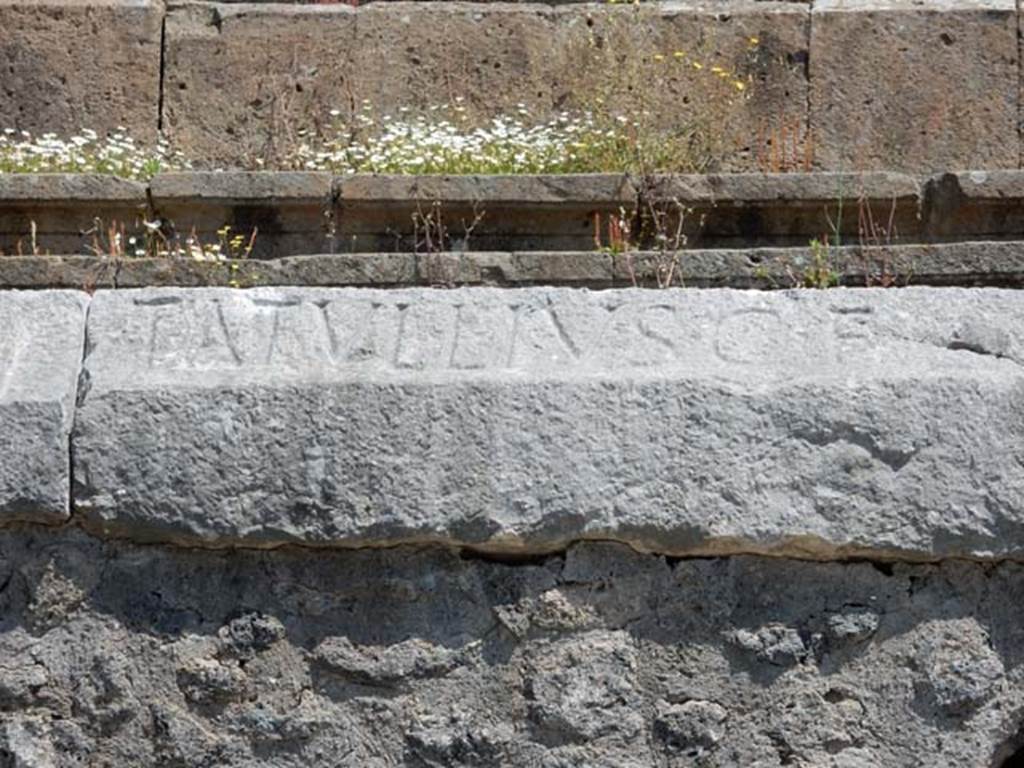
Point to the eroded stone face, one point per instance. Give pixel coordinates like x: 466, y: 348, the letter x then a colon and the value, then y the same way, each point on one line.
x: 229, y: 95
x: 41, y: 337
x: 598, y: 657
x: 911, y: 85
x: 109, y: 80
x: 828, y: 422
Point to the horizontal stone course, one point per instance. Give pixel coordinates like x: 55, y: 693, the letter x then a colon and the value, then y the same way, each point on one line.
x: 41, y: 337
x: 289, y: 212
x: 297, y: 213
x: 815, y: 423
x: 842, y: 72
x: 62, y: 207
x: 994, y: 264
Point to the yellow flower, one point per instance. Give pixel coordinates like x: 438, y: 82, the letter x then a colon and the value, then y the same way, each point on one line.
x: 659, y: 57
x: 698, y: 65
x: 680, y: 54
x: 717, y: 70
x: 740, y: 85
x: 754, y: 40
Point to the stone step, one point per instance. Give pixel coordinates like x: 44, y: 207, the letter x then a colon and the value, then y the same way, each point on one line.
x: 882, y: 423
x: 313, y: 213
x: 991, y: 264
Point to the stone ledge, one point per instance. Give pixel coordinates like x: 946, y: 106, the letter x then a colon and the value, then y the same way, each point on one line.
x: 232, y: 186
x: 57, y: 188
x: 40, y: 358
x: 63, y: 206
x: 539, y: 190
x: 994, y: 264
x: 830, y: 423
x: 304, y: 213
x: 290, y: 212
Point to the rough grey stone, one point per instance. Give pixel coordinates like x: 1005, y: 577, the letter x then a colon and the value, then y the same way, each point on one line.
x: 56, y: 188
x: 973, y: 205
x: 815, y: 423
x: 773, y: 643
x: 41, y: 337
x: 529, y: 190
x: 694, y: 727
x: 178, y: 657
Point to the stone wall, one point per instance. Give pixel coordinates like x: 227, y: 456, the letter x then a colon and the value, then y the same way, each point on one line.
x: 116, y: 654
x: 876, y: 85
x: 532, y: 527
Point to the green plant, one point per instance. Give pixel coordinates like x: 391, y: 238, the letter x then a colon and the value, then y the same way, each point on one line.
x: 820, y: 272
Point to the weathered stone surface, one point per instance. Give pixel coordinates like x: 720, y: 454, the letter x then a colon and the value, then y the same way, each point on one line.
x: 51, y: 188
x: 123, y: 655
x: 993, y: 264
x: 248, y: 187
x: 913, y: 85
x: 41, y: 337
x: 298, y: 213
x: 527, y: 190
x: 63, y: 207
x: 570, y: 212
x: 288, y: 212
x: 481, y: 213
x: 66, y: 65
x: 818, y: 423
x: 230, y: 97
x: 978, y: 204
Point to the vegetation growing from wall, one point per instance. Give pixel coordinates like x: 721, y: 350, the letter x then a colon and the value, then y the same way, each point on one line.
x: 85, y: 152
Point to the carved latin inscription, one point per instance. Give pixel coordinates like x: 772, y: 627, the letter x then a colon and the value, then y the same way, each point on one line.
x: 415, y: 335
x: 446, y: 331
